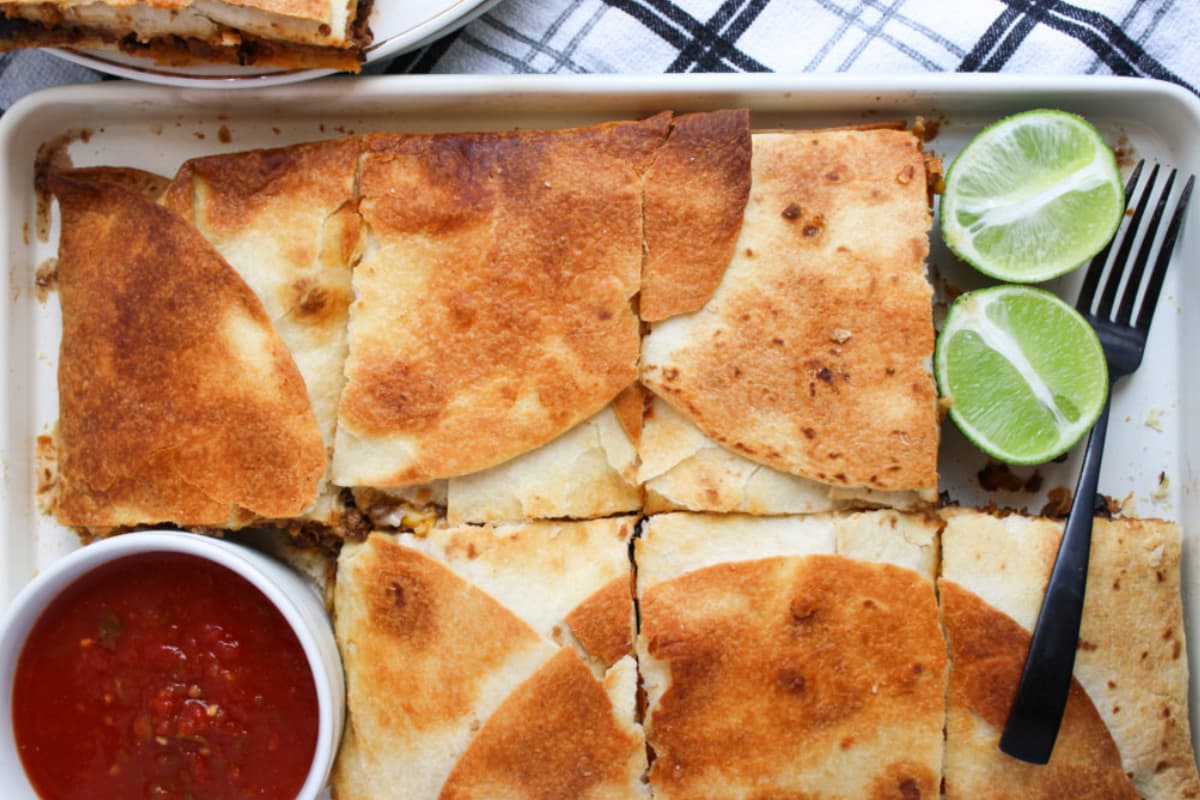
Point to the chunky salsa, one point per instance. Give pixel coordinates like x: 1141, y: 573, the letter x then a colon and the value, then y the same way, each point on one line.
x: 164, y: 675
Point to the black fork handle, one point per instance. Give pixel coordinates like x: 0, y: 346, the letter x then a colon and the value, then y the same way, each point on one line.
x: 1041, y: 697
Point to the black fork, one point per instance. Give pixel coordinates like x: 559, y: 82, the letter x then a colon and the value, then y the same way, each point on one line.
x: 1041, y: 697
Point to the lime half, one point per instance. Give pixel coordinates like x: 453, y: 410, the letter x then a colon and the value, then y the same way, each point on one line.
x: 1032, y: 196
x: 1025, y: 372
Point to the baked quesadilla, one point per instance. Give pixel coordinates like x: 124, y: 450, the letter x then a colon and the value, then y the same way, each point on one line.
x: 490, y: 662
x: 1125, y: 733
x: 791, y: 656
x: 285, y: 33
x: 486, y: 251
x: 177, y: 400
x: 812, y: 355
x: 285, y: 219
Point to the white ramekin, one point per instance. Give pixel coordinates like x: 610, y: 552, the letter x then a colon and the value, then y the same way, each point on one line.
x: 295, y: 598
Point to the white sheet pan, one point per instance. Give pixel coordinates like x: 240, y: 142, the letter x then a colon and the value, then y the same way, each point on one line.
x: 157, y: 128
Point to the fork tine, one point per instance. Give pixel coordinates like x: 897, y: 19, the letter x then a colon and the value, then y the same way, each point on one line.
x: 1087, y: 292
x: 1124, y: 313
x: 1108, y: 297
x: 1146, y: 313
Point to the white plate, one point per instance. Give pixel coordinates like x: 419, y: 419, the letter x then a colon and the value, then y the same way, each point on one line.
x: 156, y: 129
x: 398, y: 25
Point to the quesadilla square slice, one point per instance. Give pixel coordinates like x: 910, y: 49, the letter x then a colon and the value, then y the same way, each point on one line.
x: 285, y: 219
x: 177, y: 400
x: 791, y: 656
x: 812, y: 355
x: 286, y: 33
x: 1125, y: 732
x: 493, y: 303
x: 490, y: 662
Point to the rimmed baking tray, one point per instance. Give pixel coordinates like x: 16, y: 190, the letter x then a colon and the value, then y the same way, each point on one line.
x: 1154, y: 437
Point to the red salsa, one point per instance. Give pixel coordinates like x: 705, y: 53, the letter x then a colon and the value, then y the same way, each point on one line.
x: 164, y: 675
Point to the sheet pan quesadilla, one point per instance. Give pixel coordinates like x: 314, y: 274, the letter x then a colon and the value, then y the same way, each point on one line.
x: 803, y: 644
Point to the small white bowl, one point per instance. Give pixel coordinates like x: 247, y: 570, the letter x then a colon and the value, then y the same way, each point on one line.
x: 295, y: 598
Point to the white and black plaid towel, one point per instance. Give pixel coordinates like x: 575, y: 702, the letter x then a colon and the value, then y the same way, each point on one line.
x: 1150, y: 38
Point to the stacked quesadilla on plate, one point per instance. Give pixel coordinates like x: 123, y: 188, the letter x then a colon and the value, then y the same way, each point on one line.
x: 286, y: 33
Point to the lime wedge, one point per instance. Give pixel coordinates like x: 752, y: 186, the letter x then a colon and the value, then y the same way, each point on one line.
x: 1032, y: 197
x: 1025, y: 372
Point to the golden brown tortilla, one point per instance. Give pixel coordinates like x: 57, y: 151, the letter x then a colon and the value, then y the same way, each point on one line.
x: 812, y: 356
x: 285, y: 219
x: 696, y: 194
x: 493, y: 308
x: 178, y: 402
x: 775, y: 667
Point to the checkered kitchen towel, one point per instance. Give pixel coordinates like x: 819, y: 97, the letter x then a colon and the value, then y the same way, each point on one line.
x: 1152, y: 38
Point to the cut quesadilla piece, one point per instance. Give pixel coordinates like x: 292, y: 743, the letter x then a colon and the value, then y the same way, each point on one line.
x: 178, y: 403
x: 285, y: 33
x: 681, y: 469
x: 485, y: 251
x: 791, y: 656
x: 523, y: 716
x: 1125, y: 733
x: 285, y: 219
x: 812, y: 356
x: 404, y: 623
